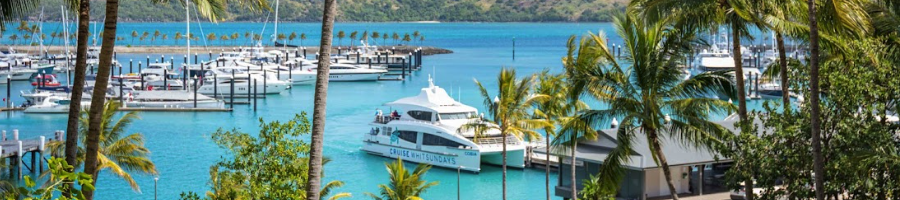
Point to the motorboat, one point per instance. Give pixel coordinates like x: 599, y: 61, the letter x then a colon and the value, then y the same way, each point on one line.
x: 223, y: 80
x: 45, y: 80
x: 170, y: 99
x: 347, y: 72
x: 429, y: 132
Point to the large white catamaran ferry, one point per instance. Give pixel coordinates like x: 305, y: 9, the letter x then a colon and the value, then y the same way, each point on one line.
x: 425, y: 129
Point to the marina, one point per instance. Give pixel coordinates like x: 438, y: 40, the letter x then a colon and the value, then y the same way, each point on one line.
x: 350, y: 104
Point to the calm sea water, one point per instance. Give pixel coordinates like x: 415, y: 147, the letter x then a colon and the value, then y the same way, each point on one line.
x: 183, y: 151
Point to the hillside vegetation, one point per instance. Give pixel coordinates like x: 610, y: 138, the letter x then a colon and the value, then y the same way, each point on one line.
x: 379, y: 10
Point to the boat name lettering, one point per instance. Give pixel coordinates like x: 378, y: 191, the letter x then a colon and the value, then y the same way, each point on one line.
x: 423, y: 156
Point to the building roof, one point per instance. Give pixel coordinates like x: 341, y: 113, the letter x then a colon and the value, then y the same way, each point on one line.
x: 676, y: 152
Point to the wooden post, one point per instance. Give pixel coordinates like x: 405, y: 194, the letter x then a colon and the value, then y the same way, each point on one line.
x: 130, y: 66
x: 265, y: 75
x: 41, y: 154
x: 254, y: 95
x: 215, y: 86
x: 232, y: 89
x: 19, y: 155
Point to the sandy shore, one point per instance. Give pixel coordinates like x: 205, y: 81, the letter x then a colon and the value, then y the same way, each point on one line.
x: 427, y: 50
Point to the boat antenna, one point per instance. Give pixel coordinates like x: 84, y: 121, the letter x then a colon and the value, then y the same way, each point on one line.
x: 430, y: 82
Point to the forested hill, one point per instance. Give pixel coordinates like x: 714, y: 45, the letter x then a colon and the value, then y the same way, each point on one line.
x: 377, y: 10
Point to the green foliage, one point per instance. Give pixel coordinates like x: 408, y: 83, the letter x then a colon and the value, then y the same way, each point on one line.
x: 380, y: 11
x: 60, y: 178
x: 272, y: 165
x: 404, y: 185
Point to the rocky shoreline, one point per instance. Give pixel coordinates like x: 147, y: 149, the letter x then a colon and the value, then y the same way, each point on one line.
x: 426, y: 50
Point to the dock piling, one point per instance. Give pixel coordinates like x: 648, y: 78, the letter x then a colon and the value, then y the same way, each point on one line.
x: 232, y: 89
x: 19, y: 160
x: 130, y: 66
x: 215, y: 86
x: 254, y: 95
x: 195, y: 91
x: 41, y: 154
x: 265, y: 75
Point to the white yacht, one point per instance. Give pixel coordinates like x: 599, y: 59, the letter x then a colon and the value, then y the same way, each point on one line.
x: 428, y: 132
x: 53, y: 104
x: 219, y: 85
x: 170, y: 99
x: 348, y: 72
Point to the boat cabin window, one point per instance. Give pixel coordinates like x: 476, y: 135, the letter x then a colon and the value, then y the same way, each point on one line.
x: 452, y: 116
x: 433, y: 140
x: 409, y: 136
x: 420, y: 115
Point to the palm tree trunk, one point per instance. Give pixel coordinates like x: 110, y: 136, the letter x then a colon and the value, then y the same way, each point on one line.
x: 84, y: 9
x: 819, y: 165
x: 321, y: 92
x: 782, y: 61
x: 547, y: 165
x: 742, y: 95
x: 574, y: 180
x: 503, y: 134
x: 97, y: 104
x: 663, y: 163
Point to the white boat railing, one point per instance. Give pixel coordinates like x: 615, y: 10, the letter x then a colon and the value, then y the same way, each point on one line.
x: 496, y: 141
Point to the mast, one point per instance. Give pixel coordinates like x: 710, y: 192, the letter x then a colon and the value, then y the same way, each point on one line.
x: 66, y: 44
x: 275, y: 35
x: 187, y: 22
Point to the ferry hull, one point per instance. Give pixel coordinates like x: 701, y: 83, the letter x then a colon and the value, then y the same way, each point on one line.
x: 241, y: 89
x: 514, y: 158
x: 452, y: 159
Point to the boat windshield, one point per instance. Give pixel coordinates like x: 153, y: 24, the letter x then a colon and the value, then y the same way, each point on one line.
x: 453, y: 116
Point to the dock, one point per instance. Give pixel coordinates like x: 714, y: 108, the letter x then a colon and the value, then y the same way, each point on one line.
x: 12, y: 109
x: 14, y: 150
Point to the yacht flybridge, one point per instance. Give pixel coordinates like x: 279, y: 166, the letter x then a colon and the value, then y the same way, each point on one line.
x: 425, y: 129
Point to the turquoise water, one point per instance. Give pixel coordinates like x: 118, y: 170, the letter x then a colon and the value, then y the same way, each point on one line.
x: 183, y: 151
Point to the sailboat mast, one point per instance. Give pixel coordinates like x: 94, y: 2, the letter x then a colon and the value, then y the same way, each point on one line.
x: 187, y: 22
x: 275, y: 35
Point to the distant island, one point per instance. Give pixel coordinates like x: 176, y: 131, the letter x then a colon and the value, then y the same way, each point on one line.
x: 376, y: 11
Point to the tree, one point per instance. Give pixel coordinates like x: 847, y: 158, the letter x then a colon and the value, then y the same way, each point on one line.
x: 406, y: 38
x: 319, y: 100
x: 210, y: 8
x: 281, y: 37
x: 292, y: 37
x: 508, y: 112
x: 421, y: 40
x: 652, y: 97
x: 272, y: 165
x: 223, y: 38
x: 396, y: 37
x: 340, y: 36
x: 553, y: 110
x: 145, y: 35
x: 211, y: 37
x: 155, y: 35
x: 384, y: 38
x: 120, y: 152
x: 302, y: 37
x: 234, y: 37
x: 14, y: 37
x: 375, y: 35
x: 178, y: 36
x: 404, y: 185
x: 72, y: 127
x: 164, y: 37
x: 365, y: 36
x: 416, y: 35
x: 61, y: 177
x: 134, y: 34
x: 352, y: 37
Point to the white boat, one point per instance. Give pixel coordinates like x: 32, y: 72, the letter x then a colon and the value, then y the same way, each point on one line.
x: 170, y: 99
x: 219, y: 85
x: 428, y: 132
x: 53, y: 104
x: 347, y: 72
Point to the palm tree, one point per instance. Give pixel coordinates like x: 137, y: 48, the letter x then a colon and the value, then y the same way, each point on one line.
x: 145, y: 35
x: 651, y: 97
x: 292, y: 37
x: 14, y: 37
x: 375, y: 36
x: 319, y: 100
x: 421, y: 39
x: 406, y: 38
x: 155, y: 35
x: 210, y: 9
x: 340, y: 36
x: 396, y: 37
x: 234, y: 37
x: 384, y: 38
x: 302, y: 37
x: 223, y: 38
x: 416, y: 35
x: 120, y: 153
x: 508, y: 112
x: 178, y: 36
x: 553, y: 110
x: 818, y: 161
x: 134, y: 34
x: 352, y: 37
x: 164, y: 37
x: 211, y: 37
x: 404, y: 185
x: 365, y: 36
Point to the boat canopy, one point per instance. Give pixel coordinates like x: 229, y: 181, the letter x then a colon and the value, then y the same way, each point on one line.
x: 432, y: 98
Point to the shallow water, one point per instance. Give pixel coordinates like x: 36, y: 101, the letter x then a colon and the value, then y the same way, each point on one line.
x: 183, y: 151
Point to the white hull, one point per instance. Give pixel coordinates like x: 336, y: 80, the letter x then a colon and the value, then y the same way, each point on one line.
x: 299, y: 77
x: 51, y: 109
x: 347, y: 77
x: 241, y: 89
x: 465, y: 159
x: 23, y: 75
x: 176, y: 104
